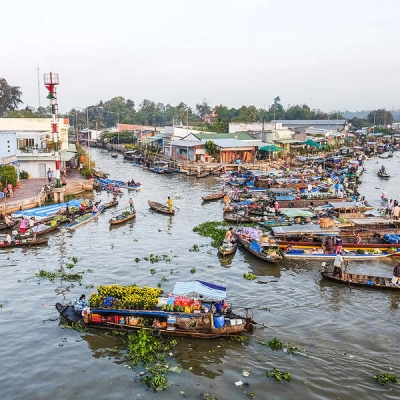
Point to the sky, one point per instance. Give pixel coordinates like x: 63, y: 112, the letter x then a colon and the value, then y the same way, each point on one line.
x: 331, y: 55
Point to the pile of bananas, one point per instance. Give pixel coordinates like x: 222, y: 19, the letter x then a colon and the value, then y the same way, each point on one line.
x: 126, y: 297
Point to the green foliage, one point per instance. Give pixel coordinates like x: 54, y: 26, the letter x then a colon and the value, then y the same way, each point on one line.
x: 194, y: 248
x: 8, y: 174
x: 275, y: 344
x: 386, y: 378
x: 10, y: 97
x: 23, y: 175
x: 151, y: 352
x: 206, y: 396
x: 249, y: 276
x: 193, y: 270
x: 211, y: 229
x: 278, y: 375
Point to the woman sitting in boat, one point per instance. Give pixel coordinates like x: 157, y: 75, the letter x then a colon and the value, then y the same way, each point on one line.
x: 8, y: 221
x: 80, y: 304
x: 357, y: 238
x: 8, y: 239
x: 230, y: 236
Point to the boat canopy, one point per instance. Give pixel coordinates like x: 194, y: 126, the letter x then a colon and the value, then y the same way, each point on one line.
x: 298, y: 212
x: 311, y: 229
x: 203, y: 288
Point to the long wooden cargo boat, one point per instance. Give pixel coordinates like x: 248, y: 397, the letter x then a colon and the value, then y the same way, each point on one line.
x: 204, y: 315
x: 84, y: 219
x: 163, y: 209
x: 318, y: 254
x: 214, y: 196
x: 268, y: 251
x: 363, y: 281
x: 25, y: 243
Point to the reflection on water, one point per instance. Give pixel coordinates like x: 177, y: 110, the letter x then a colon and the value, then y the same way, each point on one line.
x: 348, y: 335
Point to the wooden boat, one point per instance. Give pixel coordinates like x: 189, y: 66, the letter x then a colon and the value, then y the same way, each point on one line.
x: 383, y: 174
x: 4, y: 226
x: 163, y: 209
x: 110, y: 204
x: 205, y: 316
x: 227, y: 248
x: 318, y: 254
x: 39, y: 229
x: 136, y: 187
x: 267, y: 251
x: 84, y: 219
x: 214, y: 196
x: 123, y: 217
x: 363, y: 281
x: 25, y: 243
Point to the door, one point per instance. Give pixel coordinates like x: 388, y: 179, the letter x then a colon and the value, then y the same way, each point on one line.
x: 42, y: 170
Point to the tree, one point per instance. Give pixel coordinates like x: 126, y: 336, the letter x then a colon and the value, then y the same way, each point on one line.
x: 203, y: 110
x: 10, y: 97
x: 380, y: 117
x: 8, y: 174
x: 299, y: 112
x: 276, y: 110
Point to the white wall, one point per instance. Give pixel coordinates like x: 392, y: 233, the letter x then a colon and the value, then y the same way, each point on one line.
x: 253, y: 126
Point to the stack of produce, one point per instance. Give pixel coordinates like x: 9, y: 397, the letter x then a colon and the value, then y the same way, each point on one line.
x: 125, y: 297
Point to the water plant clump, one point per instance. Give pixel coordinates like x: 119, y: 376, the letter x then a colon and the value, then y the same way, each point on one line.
x: 249, y: 276
x: 278, y: 375
x: 151, y: 352
x: 213, y: 230
x: 386, y: 378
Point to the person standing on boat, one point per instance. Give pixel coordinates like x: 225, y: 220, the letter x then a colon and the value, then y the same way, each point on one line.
x: 329, y: 245
x: 131, y: 205
x: 67, y: 210
x: 339, y: 244
x: 396, y: 274
x: 23, y: 226
x: 337, y: 265
x: 276, y: 208
x: 169, y: 202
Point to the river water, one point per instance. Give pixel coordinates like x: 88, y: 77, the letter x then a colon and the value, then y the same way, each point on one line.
x: 346, y: 336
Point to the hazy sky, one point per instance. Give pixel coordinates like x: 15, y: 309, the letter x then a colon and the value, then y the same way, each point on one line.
x: 332, y: 55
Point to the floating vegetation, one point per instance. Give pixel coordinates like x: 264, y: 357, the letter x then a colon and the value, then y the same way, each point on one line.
x: 276, y: 344
x: 386, y: 378
x: 193, y: 270
x: 151, y: 352
x: 76, y: 326
x: 278, y: 375
x: 251, y: 395
x: 90, y: 286
x: 194, y: 248
x: 249, y: 276
x: 60, y: 273
x: 137, y: 259
x: 153, y: 271
x: 154, y: 258
x: 213, y: 230
x: 1, y: 305
x: 206, y: 396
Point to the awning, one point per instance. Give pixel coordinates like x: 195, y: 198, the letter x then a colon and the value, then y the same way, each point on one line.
x: 271, y: 147
x: 317, y: 145
x: 206, y: 289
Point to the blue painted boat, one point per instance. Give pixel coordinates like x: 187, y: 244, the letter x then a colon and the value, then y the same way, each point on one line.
x: 46, y: 211
x: 84, y: 219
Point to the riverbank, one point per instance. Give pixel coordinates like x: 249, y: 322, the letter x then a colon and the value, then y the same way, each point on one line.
x: 29, y: 193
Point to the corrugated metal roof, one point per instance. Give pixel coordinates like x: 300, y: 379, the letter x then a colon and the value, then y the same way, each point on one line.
x: 236, y: 135
x: 223, y: 143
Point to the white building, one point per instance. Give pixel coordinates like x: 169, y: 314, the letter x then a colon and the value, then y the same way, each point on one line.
x: 31, y: 138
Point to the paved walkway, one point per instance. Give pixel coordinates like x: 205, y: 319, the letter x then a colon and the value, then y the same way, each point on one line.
x: 28, y: 190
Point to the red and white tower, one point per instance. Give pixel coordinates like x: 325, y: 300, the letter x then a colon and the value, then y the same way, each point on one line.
x: 50, y: 82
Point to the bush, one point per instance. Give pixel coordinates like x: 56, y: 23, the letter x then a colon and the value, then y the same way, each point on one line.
x: 23, y: 175
x: 8, y: 174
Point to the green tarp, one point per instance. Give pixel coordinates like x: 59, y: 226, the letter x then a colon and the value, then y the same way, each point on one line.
x: 317, y: 145
x: 271, y: 147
